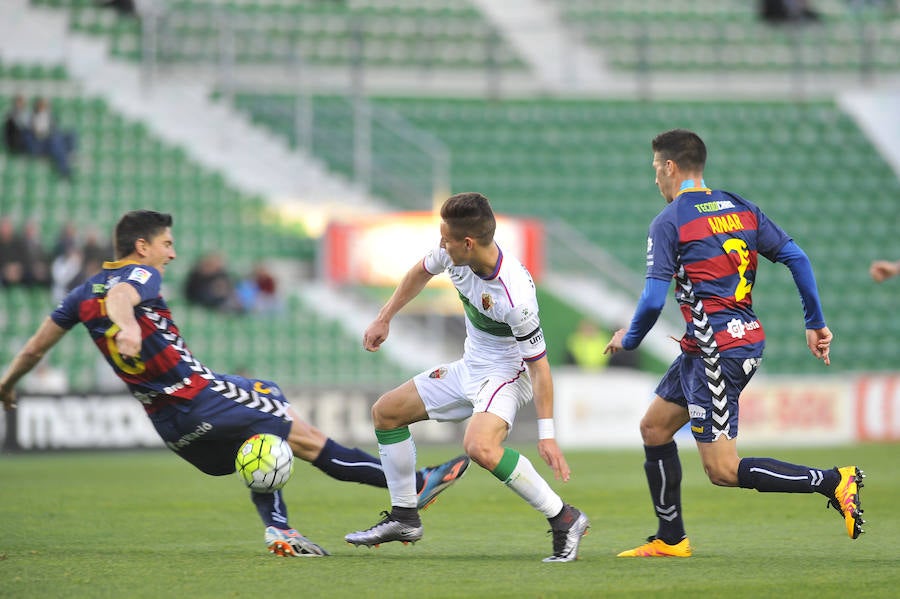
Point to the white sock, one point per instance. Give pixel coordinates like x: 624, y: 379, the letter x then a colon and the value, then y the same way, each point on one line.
x: 399, y: 463
x: 530, y: 486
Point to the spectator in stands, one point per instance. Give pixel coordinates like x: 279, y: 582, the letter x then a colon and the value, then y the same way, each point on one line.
x: 35, y: 260
x: 66, y: 237
x: 94, y: 254
x: 881, y: 270
x: 66, y: 272
x: 259, y: 292
x: 12, y: 254
x: 50, y: 140
x: 17, y: 127
x: 123, y: 7
x: 209, y: 284
x: 45, y: 379
x: 787, y: 11
x: 585, y: 346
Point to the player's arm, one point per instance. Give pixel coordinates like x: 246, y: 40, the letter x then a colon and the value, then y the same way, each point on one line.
x: 120, y: 303
x: 542, y: 386
x: 818, y: 337
x: 649, y: 307
x: 410, y: 286
x: 47, y: 335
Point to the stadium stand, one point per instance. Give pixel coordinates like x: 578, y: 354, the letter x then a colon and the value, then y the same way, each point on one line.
x: 729, y: 37
x: 587, y: 162
x: 121, y: 165
x: 386, y: 33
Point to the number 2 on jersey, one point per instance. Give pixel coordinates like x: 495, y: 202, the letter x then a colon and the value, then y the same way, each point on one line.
x: 739, y: 246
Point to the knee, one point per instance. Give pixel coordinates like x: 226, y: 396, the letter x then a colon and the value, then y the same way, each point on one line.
x: 722, y: 474
x: 482, y: 453
x: 385, y: 416
x: 652, y: 433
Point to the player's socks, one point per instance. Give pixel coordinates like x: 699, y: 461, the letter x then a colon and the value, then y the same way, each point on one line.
x: 767, y: 475
x: 271, y: 509
x: 398, y: 460
x: 518, y: 473
x: 407, y: 515
x: 354, y: 465
x: 663, y: 469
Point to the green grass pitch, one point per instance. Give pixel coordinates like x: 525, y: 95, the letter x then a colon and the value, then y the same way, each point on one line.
x: 146, y: 524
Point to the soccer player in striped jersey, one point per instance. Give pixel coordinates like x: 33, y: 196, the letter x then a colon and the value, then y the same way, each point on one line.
x: 504, y: 366
x: 201, y: 415
x: 709, y: 241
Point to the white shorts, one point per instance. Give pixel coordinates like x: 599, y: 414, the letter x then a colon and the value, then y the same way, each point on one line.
x: 454, y: 392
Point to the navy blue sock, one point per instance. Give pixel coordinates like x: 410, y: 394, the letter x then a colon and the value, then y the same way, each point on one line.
x: 271, y: 508
x: 771, y: 476
x: 663, y: 469
x: 354, y: 465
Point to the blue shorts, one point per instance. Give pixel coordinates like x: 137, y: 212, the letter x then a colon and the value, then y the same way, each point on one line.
x: 208, y: 430
x: 687, y: 384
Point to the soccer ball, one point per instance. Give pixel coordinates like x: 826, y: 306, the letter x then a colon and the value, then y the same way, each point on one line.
x: 265, y: 462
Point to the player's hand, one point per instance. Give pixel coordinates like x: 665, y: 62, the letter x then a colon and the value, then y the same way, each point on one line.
x: 615, y: 344
x: 819, y: 343
x: 128, y: 342
x: 375, y: 335
x: 9, y: 399
x: 553, y: 456
x: 882, y: 270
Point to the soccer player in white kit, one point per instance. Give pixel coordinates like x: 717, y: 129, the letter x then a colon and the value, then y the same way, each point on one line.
x: 504, y: 365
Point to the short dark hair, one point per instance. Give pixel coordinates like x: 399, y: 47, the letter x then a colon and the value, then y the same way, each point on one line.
x: 683, y: 147
x: 469, y: 214
x: 139, y: 224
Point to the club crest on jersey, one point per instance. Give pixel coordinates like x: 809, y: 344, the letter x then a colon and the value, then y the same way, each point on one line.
x: 487, y: 302
x: 140, y: 275
x: 438, y: 373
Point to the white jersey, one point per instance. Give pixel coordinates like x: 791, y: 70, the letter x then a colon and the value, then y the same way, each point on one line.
x: 502, y: 324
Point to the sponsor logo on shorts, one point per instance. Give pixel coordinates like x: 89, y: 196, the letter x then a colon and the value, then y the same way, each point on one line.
x: 185, y: 440
x: 738, y: 328
x: 696, y: 411
x: 696, y: 429
x: 438, y: 373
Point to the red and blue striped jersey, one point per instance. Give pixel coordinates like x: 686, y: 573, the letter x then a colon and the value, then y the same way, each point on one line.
x: 166, y: 371
x: 717, y: 237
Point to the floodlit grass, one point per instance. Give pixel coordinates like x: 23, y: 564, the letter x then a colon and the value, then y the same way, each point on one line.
x: 146, y: 524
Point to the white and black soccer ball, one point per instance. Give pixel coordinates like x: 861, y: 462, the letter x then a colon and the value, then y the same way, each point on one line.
x: 265, y: 462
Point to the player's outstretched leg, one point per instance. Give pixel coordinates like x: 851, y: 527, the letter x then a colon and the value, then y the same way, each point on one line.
x: 567, y: 529
x: 846, y: 499
x: 290, y: 543
x: 436, y: 479
x: 655, y: 547
x: 394, y: 526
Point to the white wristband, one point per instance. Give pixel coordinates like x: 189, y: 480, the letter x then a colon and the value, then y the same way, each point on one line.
x: 545, y: 428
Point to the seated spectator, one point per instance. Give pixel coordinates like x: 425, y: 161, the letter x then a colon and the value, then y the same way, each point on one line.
x: 787, y: 11
x: 49, y: 140
x: 66, y: 272
x: 12, y: 254
x: 35, y: 261
x: 209, y: 284
x: 17, y: 127
x: 45, y: 379
x: 259, y: 292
